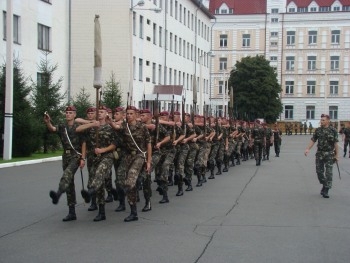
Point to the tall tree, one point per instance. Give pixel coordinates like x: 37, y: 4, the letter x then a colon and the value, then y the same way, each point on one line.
x: 81, y: 101
x: 25, y: 132
x: 255, y: 89
x: 112, y: 95
x: 47, y: 96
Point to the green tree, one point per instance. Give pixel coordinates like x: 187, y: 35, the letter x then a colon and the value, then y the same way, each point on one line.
x: 25, y: 131
x: 82, y: 101
x: 255, y: 89
x: 112, y: 95
x: 47, y: 96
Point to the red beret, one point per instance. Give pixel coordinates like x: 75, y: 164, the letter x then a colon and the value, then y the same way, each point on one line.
x: 164, y: 113
x: 187, y: 114
x: 102, y: 107
x: 118, y: 109
x: 198, y: 116
x: 109, y: 110
x: 177, y: 113
x: 257, y: 121
x: 145, y: 111
x: 91, y: 109
x: 131, y: 108
x: 71, y: 108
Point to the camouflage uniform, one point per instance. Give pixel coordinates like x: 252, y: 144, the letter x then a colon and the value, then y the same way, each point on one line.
x: 214, y: 152
x: 191, y: 156
x: 200, y: 162
x: 346, y: 132
x: 102, y: 163
x: 268, y: 134
x: 258, y: 136
x: 277, y: 141
x: 326, y: 138
x: 180, y: 159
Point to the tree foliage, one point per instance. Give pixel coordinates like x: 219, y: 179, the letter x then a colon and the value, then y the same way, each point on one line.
x: 25, y: 131
x: 47, y: 96
x: 81, y: 101
x: 255, y: 89
x: 112, y: 95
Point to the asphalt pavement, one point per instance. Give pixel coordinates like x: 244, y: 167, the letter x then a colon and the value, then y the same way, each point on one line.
x: 271, y: 213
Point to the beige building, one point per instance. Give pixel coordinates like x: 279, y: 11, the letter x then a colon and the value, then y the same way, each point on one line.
x: 307, y: 42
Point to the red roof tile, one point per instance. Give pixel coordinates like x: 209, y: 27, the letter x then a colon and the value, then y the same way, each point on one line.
x: 240, y: 7
x: 306, y: 3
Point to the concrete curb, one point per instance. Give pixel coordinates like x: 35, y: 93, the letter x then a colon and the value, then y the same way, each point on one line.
x: 12, y: 164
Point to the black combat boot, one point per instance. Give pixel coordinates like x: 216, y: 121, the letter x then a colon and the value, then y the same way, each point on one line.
x: 264, y: 159
x: 109, y: 197
x: 87, y: 194
x: 199, y: 183
x: 257, y: 162
x: 55, y: 196
x: 267, y: 157
x: 93, y: 205
x: 179, y: 191
x: 325, y: 192
x: 211, y: 172
x: 165, y: 198
x: 133, y: 214
x: 147, y: 206
x: 186, y: 181
x: 170, y: 179
x: 219, y: 168
x: 101, y: 213
x: 121, y: 197
x: 189, y: 187
x: 176, y: 179
x: 225, y: 168
x: 204, y: 179
x: 71, y: 214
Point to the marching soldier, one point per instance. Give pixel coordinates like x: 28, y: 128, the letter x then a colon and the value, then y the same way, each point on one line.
x: 73, y: 157
x: 276, y: 133
x: 345, y: 132
x: 258, y: 140
x: 268, y: 144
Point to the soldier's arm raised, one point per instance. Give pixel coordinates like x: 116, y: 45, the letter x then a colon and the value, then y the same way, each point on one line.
x: 83, y: 127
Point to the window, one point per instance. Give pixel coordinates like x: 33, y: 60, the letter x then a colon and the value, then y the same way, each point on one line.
x: 44, y: 37
x: 313, y: 9
x: 175, y: 45
x: 42, y: 79
x: 312, y: 37
x: 336, y: 8
x: 291, y: 38
x: 184, y: 16
x: 274, y: 10
x: 180, y: 46
x: 176, y: 10
x: 159, y: 74
x: 335, y: 36
x: 223, y: 63
x: 180, y: 14
x: 334, y: 62
x: 274, y: 34
x: 221, y: 87
x: 333, y: 87
x: 346, y: 7
x: 140, y: 69
x: 325, y: 8
x: 134, y: 23
x: 311, y: 62
x: 141, y: 27
x: 171, y: 41
x: 291, y: 10
x: 273, y: 58
x: 289, y: 87
x: 223, y: 40
x: 154, y: 72
x: 333, y: 112
x: 290, y: 63
x: 274, y: 44
x: 154, y: 33
x: 160, y: 36
x: 184, y: 48
x: 288, y: 112
x: 134, y: 67
x: 310, y: 112
x: 274, y: 20
x: 170, y: 76
x: 246, y: 40
x: 171, y: 7
x: 302, y: 9
x: 311, y: 87
x: 16, y: 28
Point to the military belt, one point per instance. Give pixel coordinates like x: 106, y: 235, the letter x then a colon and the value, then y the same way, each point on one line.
x: 118, y: 149
x: 68, y: 151
x: 132, y: 152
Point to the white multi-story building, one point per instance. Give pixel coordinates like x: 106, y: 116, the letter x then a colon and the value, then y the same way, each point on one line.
x: 150, y: 46
x: 308, y: 42
x: 40, y: 29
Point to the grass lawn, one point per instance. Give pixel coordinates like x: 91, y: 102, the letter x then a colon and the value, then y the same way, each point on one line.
x: 33, y: 157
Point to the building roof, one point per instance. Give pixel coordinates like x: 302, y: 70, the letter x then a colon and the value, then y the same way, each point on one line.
x: 306, y: 3
x: 240, y: 7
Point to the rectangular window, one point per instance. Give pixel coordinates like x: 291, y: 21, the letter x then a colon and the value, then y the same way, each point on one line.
x: 171, y: 41
x: 223, y: 63
x: 180, y: 46
x: 184, y: 16
x: 180, y: 14
x: 325, y: 8
x: 333, y: 112
x: 140, y: 69
x: 134, y: 67
x: 44, y: 37
x: 175, y: 75
x: 274, y: 10
x: 170, y: 76
x: 154, y: 33
x: 175, y: 44
x: 312, y: 37
x: 154, y: 73
x: 289, y: 87
x: 336, y: 8
x: 288, y: 112
x: 274, y: 34
x: 246, y: 40
x: 274, y: 44
x: 171, y: 7
x: 184, y: 48
x: 159, y: 74
x: 160, y: 36
x: 313, y: 9
x: 274, y: 20
x: 176, y: 10
x: 335, y: 36
x: 221, y: 87
x: 141, y: 27
x: 291, y: 10
x: 290, y: 63
x: 273, y: 58
x: 311, y: 62
x: 223, y: 40
x: 333, y: 87
x: 16, y: 28
x: 346, y: 7
x: 291, y: 38
x: 302, y: 9
x: 311, y: 87
x: 310, y: 112
x: 134, y: 23
x: 334, y: 62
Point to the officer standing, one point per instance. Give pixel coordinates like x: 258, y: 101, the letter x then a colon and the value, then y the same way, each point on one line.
x: 345, y: 132
x: 327, y: 153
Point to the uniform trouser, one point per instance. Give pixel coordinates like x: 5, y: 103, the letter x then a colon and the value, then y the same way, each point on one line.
x: 108, y: 181
x: 346, y: 143
x: 134, y: 165
x: 213, y: 153
x: 163, y: 171
x: 220, y: 154
x: 207, y: 152
x: 238, y: 148
x: 101, y: 166
x: 266, y: 148
x: 200, y: 161
x: 277, y: 146
x: 89, y: 160
x: 189, y: 163
x: 181, y: 156
x: 228, y: 153
x: 70, y: 164
x: 324, y: 168
x: 258, y: 147
x: 120, y: 170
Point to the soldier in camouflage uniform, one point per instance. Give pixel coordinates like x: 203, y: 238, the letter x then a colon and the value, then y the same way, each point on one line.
x: 345, y: 132
x: 101, y: 140
x: 108, y: 178
x: 157, y: 153
x: 228, y: 143
x: 269, y: 140
x: 327, y: 153
x: 276, y: 134
x: 216, y: 142
x: 74, y: 152
x: 258, y: 139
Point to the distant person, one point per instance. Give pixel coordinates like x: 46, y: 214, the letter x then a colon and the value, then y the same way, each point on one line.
x: 310, y: 128
x: 327, y: 153
x: 305, y: 128
x: 345, y: 132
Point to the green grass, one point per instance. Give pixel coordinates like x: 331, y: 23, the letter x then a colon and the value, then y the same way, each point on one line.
x: 34, y: 156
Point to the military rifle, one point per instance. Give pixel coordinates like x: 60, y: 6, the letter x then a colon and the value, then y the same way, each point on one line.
x: 183, y: 114
x: 172, y: 114
x: 156, y: 115
x: 205, y: 120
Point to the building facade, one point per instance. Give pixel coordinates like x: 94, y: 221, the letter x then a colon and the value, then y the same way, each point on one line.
x: 307, y: 42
